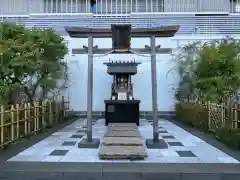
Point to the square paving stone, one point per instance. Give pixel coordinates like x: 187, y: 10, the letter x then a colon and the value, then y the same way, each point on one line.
x: 185, y: 154
x: 69, y: 143
x: 81, y: 130
x: 162, y: 131
x: 77, y: 136
x: 168, y: 137
x: 59, y: 153
x: 175, y: 144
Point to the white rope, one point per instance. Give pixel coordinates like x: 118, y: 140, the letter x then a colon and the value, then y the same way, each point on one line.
x: 138, y: 54
x: 100, y: 55
x: 134, y: 52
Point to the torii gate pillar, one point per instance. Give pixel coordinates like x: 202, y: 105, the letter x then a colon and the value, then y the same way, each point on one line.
x: 79, y: 32
x: 89, y: 142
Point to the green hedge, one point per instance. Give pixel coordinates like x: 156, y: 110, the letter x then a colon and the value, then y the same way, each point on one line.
x: 229, y: 136
x: 197, y: 116
x: 193, y: 114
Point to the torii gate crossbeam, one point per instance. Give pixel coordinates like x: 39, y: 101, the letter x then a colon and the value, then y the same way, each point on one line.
x: 78, y: 32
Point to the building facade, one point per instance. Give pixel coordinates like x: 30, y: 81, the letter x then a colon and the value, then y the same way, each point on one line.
x: 198, y: 19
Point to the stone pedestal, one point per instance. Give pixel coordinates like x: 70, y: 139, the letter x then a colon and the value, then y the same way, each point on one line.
x: 84, y: 143
x: 122, y: 111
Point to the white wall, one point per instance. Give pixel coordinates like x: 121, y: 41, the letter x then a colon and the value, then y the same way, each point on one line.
x: 142, y: 81
x: 102, y: 81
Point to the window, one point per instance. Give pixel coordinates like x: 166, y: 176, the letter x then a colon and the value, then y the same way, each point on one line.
x: 93, y: 6
x: 234, y: 6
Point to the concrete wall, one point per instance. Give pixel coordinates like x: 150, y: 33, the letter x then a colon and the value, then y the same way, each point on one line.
x: 102, y: 81
x: 142, y: 81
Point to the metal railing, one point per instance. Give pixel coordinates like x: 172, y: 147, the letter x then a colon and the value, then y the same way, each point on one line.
x: 189, y: 24
x: 117, y: 6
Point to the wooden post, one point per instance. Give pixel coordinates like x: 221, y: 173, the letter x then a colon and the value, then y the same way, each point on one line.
x: 29, y: 119
x: 17, y: 119
x: 43, y: 115
x: 2, y: 111
x: 12, y: 123
x: 56, y: 111
x: 36, y: 118
x: 25, y: 119
x: 50, y: 112
x: 223, y: 114
x: 209, y: 115
x: 64, y: 107
x: 235, y: 116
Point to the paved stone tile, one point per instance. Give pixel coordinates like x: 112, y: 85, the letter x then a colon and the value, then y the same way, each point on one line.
x: 168, y: 137
x: 54, y: 158
x: 162, y: 131
x: 77, y: 136
x: 186, y: 154
x: 58, y: 153
x: 175, y: 144
x: 205, y: 152
x: 69, y: 143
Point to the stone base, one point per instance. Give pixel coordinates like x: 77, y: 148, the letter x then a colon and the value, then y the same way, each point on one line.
x: 160, y: 144
x: 122, y: 141
x: 84, y: 143
x: 110, y: 133
x: 122, y: 152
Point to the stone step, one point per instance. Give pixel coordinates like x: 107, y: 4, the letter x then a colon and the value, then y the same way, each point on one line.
x: 123, y: 128
x: 122, y: 152
x: 122, y: 141
x: 122, y: 125
x: 122, y: 134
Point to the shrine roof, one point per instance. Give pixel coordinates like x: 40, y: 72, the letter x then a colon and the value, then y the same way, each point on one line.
x: 83, y: 32
x: 122, y: 63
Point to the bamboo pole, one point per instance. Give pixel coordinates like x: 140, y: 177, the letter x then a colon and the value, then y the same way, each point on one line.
x: 29, y: 118
x: 12, y: 123
x: 17, y: 120
x: 36, y: 118
x: 63, y: 107
x: 2, y: 125
x: 50, y: 113
x: 56, y: 111
x: 222, y: 115
x: 235, y: 116
x: 25, y: 119
x: 209, y: 115
x: 43, y: 115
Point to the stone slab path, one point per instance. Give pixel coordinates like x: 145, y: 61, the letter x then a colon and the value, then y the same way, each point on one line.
x: 183, y: 147
x: 121, y: 142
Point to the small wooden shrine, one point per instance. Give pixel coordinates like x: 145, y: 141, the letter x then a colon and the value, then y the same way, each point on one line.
x: 122, y: 106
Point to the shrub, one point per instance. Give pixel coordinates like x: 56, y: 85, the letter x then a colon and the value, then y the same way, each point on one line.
x: 229, y: 136
x: 193, y: 114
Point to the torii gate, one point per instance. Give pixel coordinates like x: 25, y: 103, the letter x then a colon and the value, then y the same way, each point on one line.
x: 90, y: 33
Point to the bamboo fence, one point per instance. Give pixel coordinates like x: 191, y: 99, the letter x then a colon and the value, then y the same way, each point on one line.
x: 221, y: 115
x: 21, y: 120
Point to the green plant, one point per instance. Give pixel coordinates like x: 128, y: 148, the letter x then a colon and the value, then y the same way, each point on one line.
x: 31, y: 61
x: 193, y: 114
x: 229, y: 136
